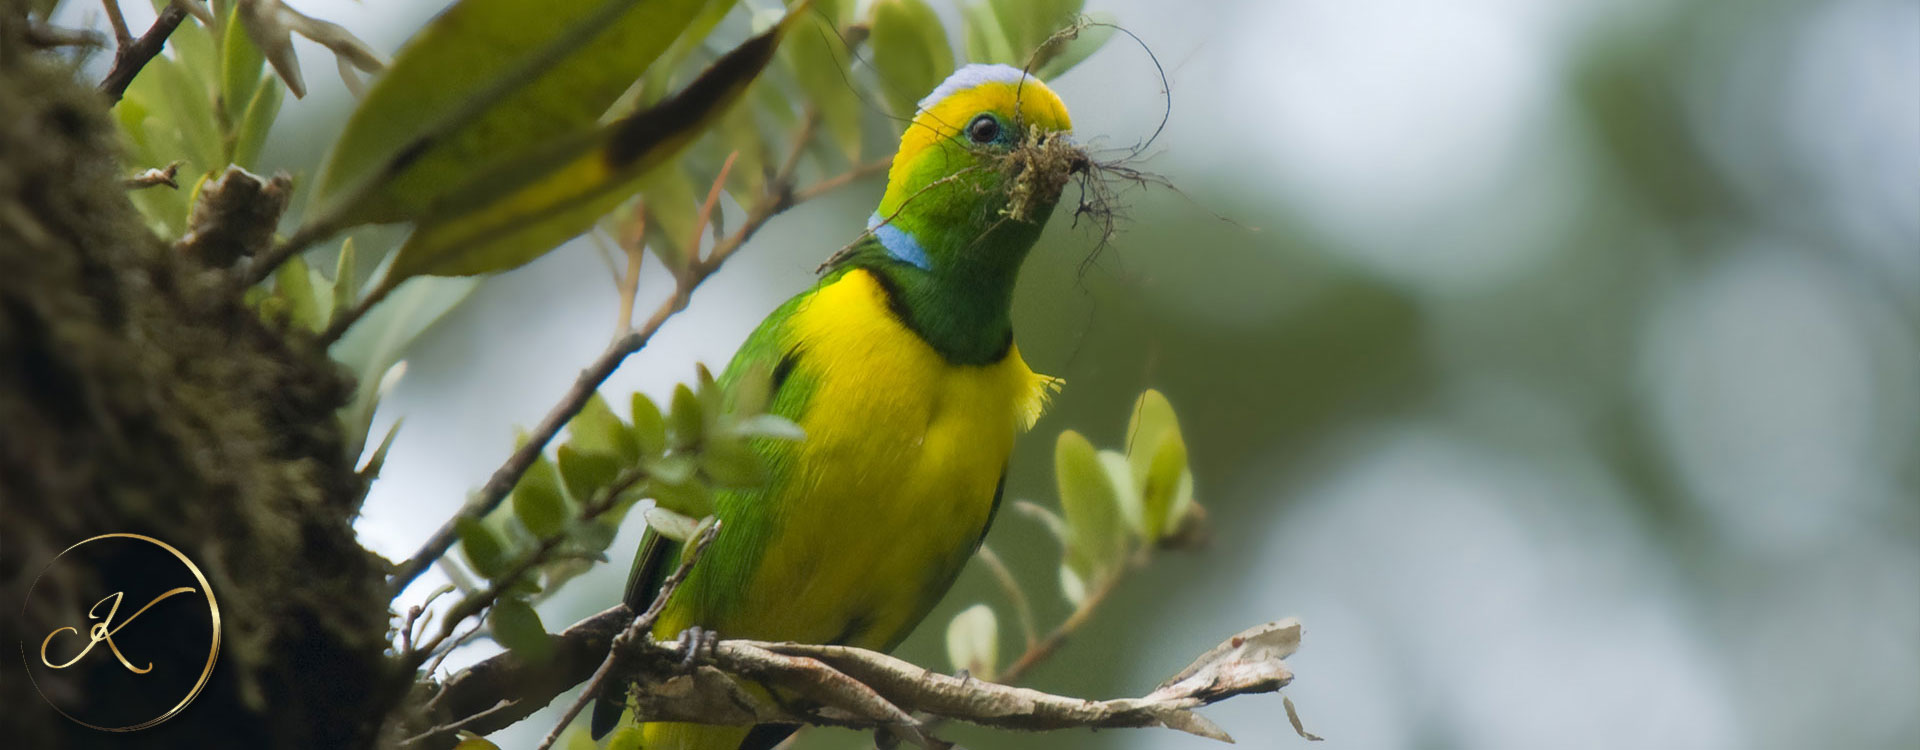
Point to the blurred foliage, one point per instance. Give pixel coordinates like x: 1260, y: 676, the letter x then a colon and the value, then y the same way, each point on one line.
x: 567, y: 507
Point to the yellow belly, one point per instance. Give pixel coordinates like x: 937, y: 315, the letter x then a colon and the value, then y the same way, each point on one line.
x: 883, y: 501
x: 894, y: 482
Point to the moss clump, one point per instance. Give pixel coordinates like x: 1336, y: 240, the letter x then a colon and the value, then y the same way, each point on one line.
x: 137, y: 394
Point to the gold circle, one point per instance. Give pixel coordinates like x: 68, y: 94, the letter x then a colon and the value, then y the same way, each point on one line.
x: 213, y: 651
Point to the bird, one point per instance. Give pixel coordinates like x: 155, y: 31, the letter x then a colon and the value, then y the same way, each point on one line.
x: 900, y: 367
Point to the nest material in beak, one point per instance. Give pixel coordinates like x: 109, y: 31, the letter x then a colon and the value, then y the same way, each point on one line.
x: 1040, y: 168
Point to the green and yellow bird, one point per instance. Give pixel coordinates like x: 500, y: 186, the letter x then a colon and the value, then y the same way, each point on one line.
x: 900, y: 366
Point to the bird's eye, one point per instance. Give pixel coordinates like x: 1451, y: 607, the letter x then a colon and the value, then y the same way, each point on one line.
x: 983, y: 129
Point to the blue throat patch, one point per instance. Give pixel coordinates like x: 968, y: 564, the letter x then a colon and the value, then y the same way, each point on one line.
x: 899, y: 243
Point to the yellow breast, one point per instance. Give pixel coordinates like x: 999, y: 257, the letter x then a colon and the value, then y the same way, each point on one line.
x: 896, y: 478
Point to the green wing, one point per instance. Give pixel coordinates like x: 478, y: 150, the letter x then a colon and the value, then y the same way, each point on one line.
x: 768, y: 348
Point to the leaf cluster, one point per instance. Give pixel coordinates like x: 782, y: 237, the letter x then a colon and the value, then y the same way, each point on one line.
x: 566, y: 509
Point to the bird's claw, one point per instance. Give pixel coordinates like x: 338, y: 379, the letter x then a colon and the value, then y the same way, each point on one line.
x: 696, y: 643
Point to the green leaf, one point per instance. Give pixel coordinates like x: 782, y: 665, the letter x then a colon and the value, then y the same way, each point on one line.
x: 537, y: 501
x: 819, y: 60
x: 1062, y: 56
x: 1168, y: 490
x: 240, y: 72
x: 689, y: 498
x: 191, y: 113
x: 670, y: 207
x: 769, y: 426
x: 973, y: 642
x: 482, y: 546
x: 292, y: 284
x: 1027, y: 24
x: 1095, y: 531
x: 730, y: 463
x: 750, y: 392
x: 1072, y: 586
x: 378, y: 460
x: 485, y: 80
x: 251, y: 134
x: 518, y: 210
x: 596, y: 429
x: 649, y: 427
x: 911, y: 53
x: 672, y: 524
x: 1125, y: 493
x: 986, y: 41
x: 343, y: 275
x: 516, y: 626
x: 740, y: 133
x: 687, y: 424
x: 1151, y: 422
x: 586, y: 474
x: 672, y: 468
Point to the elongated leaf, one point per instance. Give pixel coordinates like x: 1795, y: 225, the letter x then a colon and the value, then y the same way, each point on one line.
x: 515, y: 212
x: 293, y: 284
x: 586, y: 474
x: 1152, y: 420
x: 484, y: 549
x: 1094, y: 526
x: 251, y: 134
x: 516, y: 626
x: 1064, y: 55
x: 820, y: 60
x: 649, y: 427
x: 537, y: 501
x: 240, y: 64
x: 482, y: 82
x: 910, y: 52
x: 597, y: 430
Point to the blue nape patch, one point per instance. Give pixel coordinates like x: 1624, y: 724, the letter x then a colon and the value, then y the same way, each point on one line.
x: 899, y: 243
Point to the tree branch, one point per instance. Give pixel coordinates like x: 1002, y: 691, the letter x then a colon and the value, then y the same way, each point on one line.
x: 851, y: 687
x: 128, y: 59
x: 639, y: 629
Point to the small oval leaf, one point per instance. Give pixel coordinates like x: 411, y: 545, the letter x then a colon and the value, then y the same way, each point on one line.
x: 482, y: 547
x: 973, y: 642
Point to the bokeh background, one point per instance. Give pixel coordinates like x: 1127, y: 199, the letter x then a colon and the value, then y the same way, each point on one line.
x: 1555, y: 362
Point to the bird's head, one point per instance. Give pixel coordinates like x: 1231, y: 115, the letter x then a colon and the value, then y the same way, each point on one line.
x: 979, y: 169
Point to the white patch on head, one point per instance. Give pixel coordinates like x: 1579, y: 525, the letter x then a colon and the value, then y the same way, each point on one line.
x: 970, y: 76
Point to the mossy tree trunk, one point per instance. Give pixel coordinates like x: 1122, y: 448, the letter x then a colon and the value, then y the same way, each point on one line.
x: 138, y: 394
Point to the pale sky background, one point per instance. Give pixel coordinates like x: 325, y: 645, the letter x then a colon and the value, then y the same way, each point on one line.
x: 1473, y: 567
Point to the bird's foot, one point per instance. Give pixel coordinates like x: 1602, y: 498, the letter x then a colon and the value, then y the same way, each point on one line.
x: 696, y: 643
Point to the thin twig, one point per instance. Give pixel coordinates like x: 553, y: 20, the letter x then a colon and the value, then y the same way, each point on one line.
x: 131, y: 57
x: 41, y: 35
x: 1057, y: 637
x: 505, y: 704
x: 778, y: 198
x: 474, y: 603
x: 154, y: 177
x: 707, y: 207
x: 122, y: 36
x: 1022, y: 608
x: 635, y: 248
x: 869, y: 169
x: 641, y: 627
